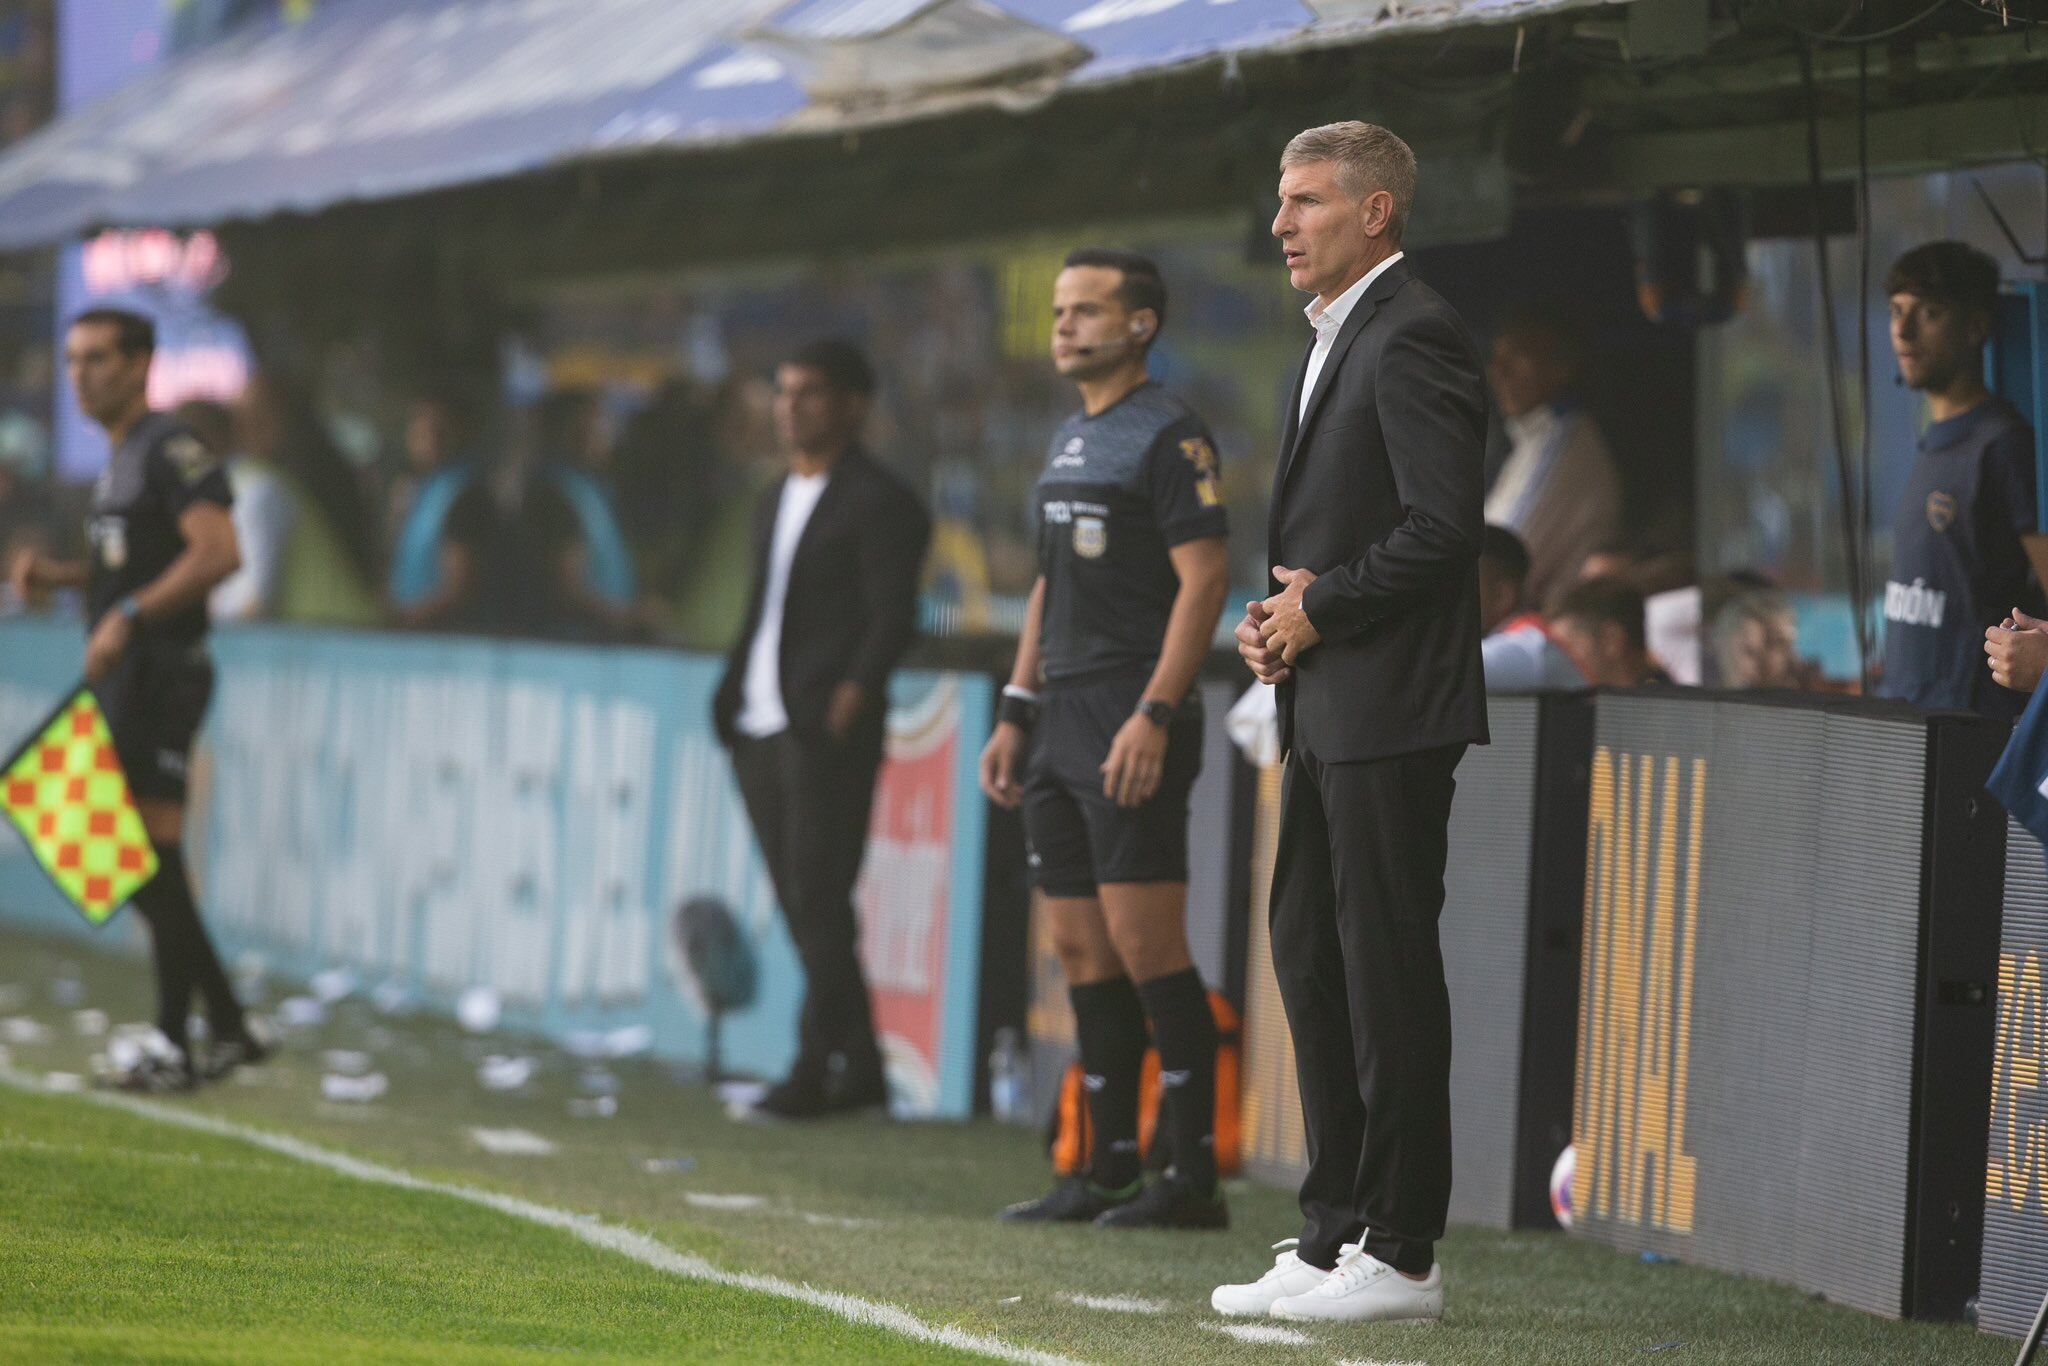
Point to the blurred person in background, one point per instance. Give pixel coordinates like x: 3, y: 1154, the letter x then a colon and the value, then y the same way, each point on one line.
x: 839, y: 542
x: 701, y: 560
x: 295, y: 564
x: 443, y: 521
x: 1558, y: 489
x: 162, y: 539
x: 1966, y: 543
x: 1503, y: 582
x: 28, y: 515
x: 572, y: 543
x: 1517, y: 652
x: 1754, y: 637
x: 1599, y: 624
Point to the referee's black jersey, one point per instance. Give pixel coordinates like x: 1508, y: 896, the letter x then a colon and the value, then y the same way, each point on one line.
x: 1119, y: 490
x: 151, y: 478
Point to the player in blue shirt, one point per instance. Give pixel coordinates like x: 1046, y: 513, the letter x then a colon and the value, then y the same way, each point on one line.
x: 1966, y: 543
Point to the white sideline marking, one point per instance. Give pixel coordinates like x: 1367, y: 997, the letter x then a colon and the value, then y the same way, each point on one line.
x: 610, y: 1237
x: 1349, y: 1361
x: 1116, y: 1304
x: 1261, y: 1334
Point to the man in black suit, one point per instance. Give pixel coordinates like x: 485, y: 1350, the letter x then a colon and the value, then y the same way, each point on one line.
x: 1372, y: 640
x: 839, y: 543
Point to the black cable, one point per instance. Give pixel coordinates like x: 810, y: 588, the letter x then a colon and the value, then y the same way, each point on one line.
x: 1832, y: 342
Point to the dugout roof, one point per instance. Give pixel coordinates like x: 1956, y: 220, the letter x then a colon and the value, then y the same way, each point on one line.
x: 379, y: 99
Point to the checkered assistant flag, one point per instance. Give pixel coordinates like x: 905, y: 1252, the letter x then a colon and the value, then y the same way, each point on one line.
x: 64, y: 789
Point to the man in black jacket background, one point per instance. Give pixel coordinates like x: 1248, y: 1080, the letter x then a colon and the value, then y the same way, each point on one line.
x: 1372, y: 639
x: 839, y: 544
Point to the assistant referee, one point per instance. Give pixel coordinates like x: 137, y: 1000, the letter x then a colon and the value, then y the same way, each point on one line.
x: 1132, y: 577
x: 161, y: 540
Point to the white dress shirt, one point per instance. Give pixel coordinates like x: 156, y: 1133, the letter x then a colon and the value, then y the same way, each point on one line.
x: 762, y: 713
x: 1328, y: 320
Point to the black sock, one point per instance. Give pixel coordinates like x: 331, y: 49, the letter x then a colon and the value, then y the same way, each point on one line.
x: 1185, y: 1033
x: 185, y: 959
x: 1111, y: 1025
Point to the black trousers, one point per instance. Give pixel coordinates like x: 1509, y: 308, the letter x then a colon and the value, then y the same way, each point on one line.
x: 809, y: 800
x: 1358, y: 885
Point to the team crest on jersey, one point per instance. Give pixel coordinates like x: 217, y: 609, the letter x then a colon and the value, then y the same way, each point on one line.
x: 1941, y: 510
x: 1069, y: 456
x: 189, y: 457
x: 1198, y: 452
x: 1091, y: 537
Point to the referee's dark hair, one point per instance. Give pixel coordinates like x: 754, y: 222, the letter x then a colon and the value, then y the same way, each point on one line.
x: 1956, y: 273
x: 133, y: 333
x: 844, y: 365
x: 1142, y: 287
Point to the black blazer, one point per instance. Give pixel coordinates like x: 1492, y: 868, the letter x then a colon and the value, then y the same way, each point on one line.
x: 851, y: 611
x: 1381, y: 493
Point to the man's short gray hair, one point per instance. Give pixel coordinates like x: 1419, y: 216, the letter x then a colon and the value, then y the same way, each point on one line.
x: 1368, y: 158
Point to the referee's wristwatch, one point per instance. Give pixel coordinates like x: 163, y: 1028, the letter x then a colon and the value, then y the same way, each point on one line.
x: 1158, y: 713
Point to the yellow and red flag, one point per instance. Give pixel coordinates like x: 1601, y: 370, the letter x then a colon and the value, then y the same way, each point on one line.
x: 66, y: 792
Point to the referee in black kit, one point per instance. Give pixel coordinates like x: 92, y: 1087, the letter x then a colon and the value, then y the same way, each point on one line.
x: 161, y: 539
x: 1132, y: 577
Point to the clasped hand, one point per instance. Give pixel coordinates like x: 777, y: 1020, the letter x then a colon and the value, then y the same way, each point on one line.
x: 1276, y: 631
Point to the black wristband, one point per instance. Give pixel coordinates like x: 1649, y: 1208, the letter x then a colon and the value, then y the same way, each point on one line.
x: 1016, y: 711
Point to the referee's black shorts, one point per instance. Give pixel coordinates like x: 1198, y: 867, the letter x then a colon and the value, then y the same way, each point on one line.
x: 154, y: 701
x: 1079, y: 838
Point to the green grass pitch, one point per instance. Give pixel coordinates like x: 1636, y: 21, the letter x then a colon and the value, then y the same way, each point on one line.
x: 123, y: 1238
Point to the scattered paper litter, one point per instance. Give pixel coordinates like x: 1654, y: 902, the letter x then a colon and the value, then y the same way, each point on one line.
x: 597, y: 1081
x: 24, y: 1031
x: 1011, y: 1299
x: 90, y: 1023
x: 500, y: 1072
x: 391, y: 998
x: 350, y: 1062
x: 708, y: 1200
x: 1261, y: 1334
x: 66, y: 989
x: 63, y: 1081
x: 356, y: 1089
x: 1117, y: 1304
x: 333, y: 984
x: 741, y: 1092
x: 664, y: 1166
x: 301, y: 1012
x: 512, y: 1143
x: 838, y: 1221
x: 477, y: 1009
x: 628, y: 1040
x: 596, y: 1107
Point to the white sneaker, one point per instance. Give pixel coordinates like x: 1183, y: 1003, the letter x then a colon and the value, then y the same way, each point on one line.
x: 1290, y: 1276
x: 1364, y: 1289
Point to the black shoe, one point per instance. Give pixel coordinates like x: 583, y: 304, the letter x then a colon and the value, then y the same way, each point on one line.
x: 1170, y: 1202
x: 154, y: 1075
x: 225, y: 1056
x: 802, y: 1097
x: 1073, y: 1201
